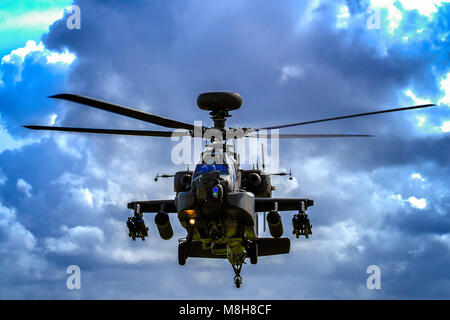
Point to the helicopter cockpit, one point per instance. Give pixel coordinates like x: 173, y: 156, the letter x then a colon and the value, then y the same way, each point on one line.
x: 203, y: 168
x: 226, y: 170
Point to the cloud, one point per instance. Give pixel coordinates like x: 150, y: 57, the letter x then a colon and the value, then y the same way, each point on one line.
x: 290, y: 72
x: 418, y: 203
x: 25, y: 187
x: 417, y: 176
x: 30, y: 74
x: 36, y: 19
x: 413, y: 201
x: 445, y: 87
x: 80, y: 184
x: 445, y: 126
x: 17, y: 56
x: 75, y: 240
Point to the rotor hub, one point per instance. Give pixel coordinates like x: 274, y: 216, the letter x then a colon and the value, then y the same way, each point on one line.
x: 219, y: 101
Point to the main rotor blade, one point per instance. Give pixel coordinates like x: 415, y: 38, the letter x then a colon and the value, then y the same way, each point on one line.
x: 313, y: 135
x: 301, y: 136
x: 128, y: 112
x: 113, y: 131
x: 349, y: 116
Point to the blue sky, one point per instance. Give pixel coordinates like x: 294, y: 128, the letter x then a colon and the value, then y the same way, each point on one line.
x: 383, y: 201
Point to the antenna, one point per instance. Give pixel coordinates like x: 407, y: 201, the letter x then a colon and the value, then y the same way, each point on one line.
x: 163, y: 176
x: 283, y: 174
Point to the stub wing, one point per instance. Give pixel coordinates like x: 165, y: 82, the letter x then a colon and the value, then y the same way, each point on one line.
x: 282, y: 204
x: 261, y: 204
x: 154, y: 205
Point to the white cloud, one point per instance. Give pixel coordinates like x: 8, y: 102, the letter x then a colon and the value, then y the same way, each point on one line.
x: 444, y: 238
x: 309, y: 13
x: 64, y: 57
x: 77, y: 240
x: 17, y: 234
x: 290, y: 72
x: 18, y: 56
x: 53, y: 118
x: 394, y: 16
x: 343, y: 17
x: 417, y: 176
x: 445, y: 126
x: 333, y: 240
x: 88, y: 196
x: 409, y: 93
x: 397, y: 197
x: 20, y: 256
x: 25, y: 187
x: 7, y: 142
x: 424, y: 7
x: 417, y: 203
x: 445, y: 87
x: 421, y: 120
x: 37, y: 19
x: 413, y: 201
x: 417, y: 252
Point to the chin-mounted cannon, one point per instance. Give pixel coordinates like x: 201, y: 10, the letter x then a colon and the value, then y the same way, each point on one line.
x: 300, y: 222
x: 136, y: 225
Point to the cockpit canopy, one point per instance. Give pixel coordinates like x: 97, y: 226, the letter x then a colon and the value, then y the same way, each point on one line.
x: 204, y: 168
x: 226, y: 169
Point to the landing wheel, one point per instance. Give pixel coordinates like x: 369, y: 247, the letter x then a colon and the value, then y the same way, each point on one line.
x: 238, y: 281
x: 182, y: 253
x: 253, y: 248
x: 237, y: 272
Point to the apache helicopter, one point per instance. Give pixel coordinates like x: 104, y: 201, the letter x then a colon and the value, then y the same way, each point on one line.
x: 217, y: 203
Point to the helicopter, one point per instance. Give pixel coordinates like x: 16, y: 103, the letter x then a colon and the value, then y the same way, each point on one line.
x: 218, y: 202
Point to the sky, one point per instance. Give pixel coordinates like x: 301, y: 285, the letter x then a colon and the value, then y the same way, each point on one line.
x: 382, y: 201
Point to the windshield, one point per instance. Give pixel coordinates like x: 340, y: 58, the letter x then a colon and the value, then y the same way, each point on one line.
x: 203, y: 168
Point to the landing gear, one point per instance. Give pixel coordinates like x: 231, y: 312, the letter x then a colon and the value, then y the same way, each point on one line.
x: 237, y: 277
x: 183, y: 248
x: 182, y: 253
x: 238, y: 281
x: 253, y: 252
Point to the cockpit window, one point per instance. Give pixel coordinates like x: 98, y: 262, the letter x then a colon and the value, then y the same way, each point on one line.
x: 203, y: 168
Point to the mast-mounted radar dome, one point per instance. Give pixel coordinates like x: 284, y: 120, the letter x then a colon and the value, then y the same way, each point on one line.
x: 219, y: 101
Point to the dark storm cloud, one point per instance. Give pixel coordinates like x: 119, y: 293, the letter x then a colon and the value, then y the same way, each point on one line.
x: 158, y: 56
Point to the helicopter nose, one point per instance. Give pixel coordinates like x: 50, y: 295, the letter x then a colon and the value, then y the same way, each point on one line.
x: 209, y: 192
x: 202, y: 192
